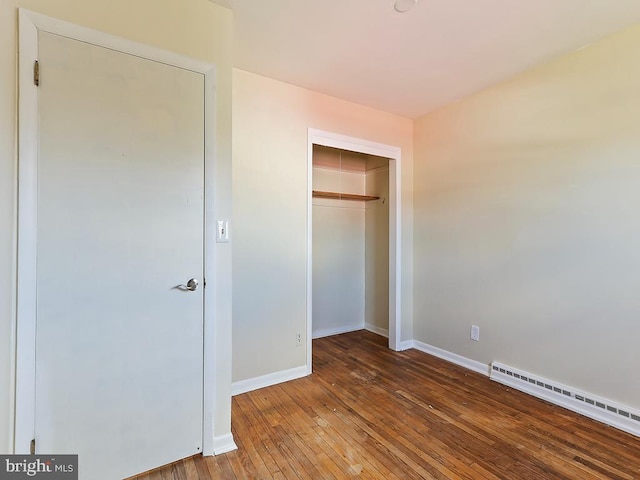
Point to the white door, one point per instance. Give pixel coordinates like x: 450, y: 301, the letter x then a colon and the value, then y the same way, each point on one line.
x: 119, y: 346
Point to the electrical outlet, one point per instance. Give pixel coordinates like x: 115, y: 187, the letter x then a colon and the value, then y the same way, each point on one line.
x: 298, y: 339
x: 475, y: 333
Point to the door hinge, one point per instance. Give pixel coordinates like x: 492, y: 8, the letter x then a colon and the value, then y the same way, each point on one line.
x: 36, y: 73
x: 32, y: 449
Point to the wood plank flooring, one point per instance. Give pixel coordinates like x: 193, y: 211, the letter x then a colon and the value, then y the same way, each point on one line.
x: 368, y: 412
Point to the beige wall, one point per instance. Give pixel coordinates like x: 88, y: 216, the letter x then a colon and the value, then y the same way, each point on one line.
x: 196, y: 28
x: 526, y: 221
x: 270, y: 122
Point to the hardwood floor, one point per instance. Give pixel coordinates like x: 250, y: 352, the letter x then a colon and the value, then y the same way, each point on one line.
x: 368, y: 412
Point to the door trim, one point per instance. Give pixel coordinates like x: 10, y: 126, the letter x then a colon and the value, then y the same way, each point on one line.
x: 394, y: 154
x: 30, y: 23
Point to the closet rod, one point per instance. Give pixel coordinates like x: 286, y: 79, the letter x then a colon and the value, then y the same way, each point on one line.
x: 343, y: 196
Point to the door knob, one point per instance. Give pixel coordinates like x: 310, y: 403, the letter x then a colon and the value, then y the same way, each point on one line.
x: 192, y: 284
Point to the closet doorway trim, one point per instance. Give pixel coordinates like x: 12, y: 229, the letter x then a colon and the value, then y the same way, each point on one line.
x: 334, y: 140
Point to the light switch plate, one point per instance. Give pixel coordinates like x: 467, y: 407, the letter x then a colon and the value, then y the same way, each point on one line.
x: 222, y: 231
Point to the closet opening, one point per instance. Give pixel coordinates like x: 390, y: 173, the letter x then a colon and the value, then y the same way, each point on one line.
x: 353, y: 238
x: 350, y: 217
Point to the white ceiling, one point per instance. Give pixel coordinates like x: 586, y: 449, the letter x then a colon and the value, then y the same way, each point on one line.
x: 412, y: 63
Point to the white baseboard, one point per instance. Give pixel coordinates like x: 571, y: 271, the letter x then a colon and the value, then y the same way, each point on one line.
x: 406, y: 345
x: 337, y: 330
x: 465, y: 362
x: 383, y: 332
x: 244, y: 386
x: 224, y: 444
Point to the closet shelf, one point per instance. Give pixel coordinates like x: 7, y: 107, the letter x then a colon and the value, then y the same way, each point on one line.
x: 343, y: 196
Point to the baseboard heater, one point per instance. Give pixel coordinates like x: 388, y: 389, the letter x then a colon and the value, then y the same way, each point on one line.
x: 603, y: 410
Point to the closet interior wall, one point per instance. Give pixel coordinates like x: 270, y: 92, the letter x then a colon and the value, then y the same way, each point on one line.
x: 350, y: 243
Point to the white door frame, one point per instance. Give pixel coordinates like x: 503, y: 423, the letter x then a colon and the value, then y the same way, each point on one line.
x: 30, y: 23
x: 394, y: 154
